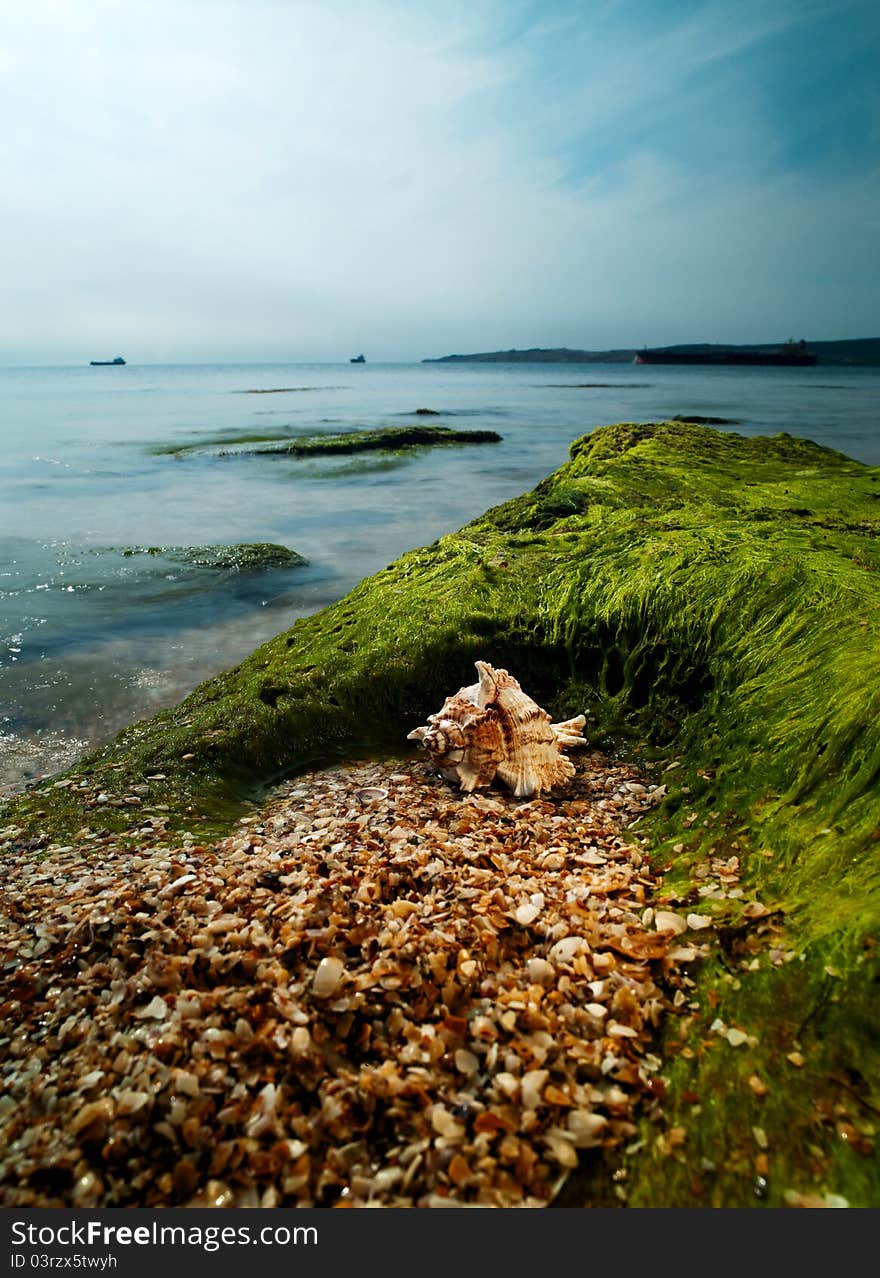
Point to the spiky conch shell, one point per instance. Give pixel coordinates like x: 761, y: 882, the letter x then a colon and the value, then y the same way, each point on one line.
x: 493, y: 729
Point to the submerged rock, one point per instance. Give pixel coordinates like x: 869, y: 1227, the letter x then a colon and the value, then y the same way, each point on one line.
x: 706, y: 421
x: 244, y: 556
x: 383, y: 439
x: 390, y: 438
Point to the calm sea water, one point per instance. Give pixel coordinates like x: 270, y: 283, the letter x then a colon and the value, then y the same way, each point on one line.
x: 91, y: 639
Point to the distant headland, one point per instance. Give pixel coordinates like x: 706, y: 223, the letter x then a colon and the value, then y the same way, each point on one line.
x: 863, y: 351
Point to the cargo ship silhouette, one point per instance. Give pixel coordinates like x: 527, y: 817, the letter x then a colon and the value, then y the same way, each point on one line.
x: 791, y: 355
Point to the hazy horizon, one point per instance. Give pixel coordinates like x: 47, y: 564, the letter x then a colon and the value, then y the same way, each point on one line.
x: 199, y: 181
x: 341, y: 361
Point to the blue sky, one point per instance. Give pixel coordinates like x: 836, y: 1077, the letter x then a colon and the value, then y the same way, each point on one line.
x: 293, y: 180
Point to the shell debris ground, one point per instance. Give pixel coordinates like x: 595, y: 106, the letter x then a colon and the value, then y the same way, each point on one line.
x: 420, y: 1000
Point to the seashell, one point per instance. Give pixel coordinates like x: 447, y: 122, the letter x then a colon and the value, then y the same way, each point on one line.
x: 540, y: 971
x: 567, y: 948
x: 668, y: 921
x: 493, y: 729
x: 586, y: 1127
x: 327, y: 976
x: 532, y: 1087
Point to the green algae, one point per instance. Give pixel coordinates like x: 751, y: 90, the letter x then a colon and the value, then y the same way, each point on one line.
x: 349, y: 466
x: 705, y: 421
x: 391, y: 438
x: 241, y: 557
x: 386, y: 439
x: 227, y: 439
x: 712, y: 603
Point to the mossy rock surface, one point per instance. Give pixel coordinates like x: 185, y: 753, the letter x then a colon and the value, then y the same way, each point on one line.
x: 711, y: 601
x: 382, y: 439
x: 389, y: 438
x: 241, y: 557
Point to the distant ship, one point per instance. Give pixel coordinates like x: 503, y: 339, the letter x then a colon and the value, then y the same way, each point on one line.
x: 357, y: 359
x: 105, y: 362
x: 791, y: 355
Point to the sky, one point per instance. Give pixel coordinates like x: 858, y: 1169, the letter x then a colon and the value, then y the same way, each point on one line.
x: 288, y: 180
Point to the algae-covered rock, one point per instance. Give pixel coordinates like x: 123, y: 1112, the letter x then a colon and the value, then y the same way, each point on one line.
x: 242, y: 557
x: 705, y: 421
x: 712, y: 601
x: 390, y: 438
x: 381, y: 439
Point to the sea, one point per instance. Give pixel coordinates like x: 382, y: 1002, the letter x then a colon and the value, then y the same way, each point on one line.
x: 103, y: 621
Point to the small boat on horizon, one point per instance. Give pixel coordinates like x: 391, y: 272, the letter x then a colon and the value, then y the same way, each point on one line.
x: 357, y: 359
x: 104, y: 363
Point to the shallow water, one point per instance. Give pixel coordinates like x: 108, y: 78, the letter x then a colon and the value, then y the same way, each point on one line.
x: 91, y: 639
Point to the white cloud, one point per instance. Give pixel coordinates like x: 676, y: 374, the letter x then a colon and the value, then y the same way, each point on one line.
x: 212, y: 178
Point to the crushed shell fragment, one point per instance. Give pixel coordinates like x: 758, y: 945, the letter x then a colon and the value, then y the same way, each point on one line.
x: 370, y: 793
x: 669, y: 921
x: 327, y: 977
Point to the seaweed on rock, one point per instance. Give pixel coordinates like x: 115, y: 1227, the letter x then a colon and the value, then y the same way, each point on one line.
x: 240, y: 557
x: 381, y: 439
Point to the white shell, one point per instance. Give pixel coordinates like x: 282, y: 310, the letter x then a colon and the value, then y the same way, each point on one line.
x: 493, y: 729
x: 328, y: 974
